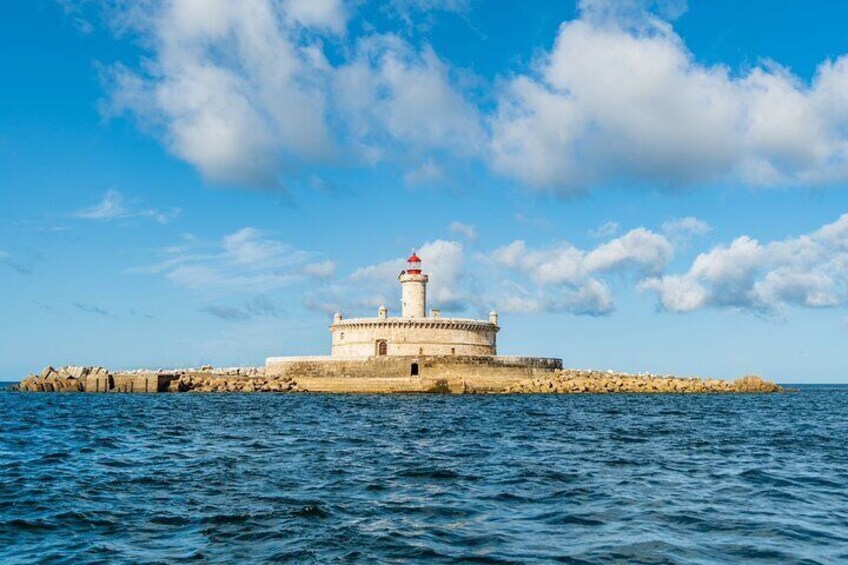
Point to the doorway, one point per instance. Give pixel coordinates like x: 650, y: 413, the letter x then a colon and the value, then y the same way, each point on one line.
x: 382, y: 347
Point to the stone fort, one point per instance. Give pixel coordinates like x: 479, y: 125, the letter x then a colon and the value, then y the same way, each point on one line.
x: 416, y: 352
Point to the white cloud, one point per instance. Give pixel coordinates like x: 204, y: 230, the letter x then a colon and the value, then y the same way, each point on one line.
x: 329, y: 14
x: 248, y: 247
x: 259, y: 90
x: 390, y: 92
x: 421, y: 14
x: 321, y: 270
x: 230, y: 86
x: 407, y: 6
x: 682, y: 229
x: 114, y: 207
x: 247, y: 260
x: 256, y: 91
x: 446, y: 264
x: 808, y: 271
x: 373, y: 285
x: 568, y: 278
x: 111, y: 207
x: 245, y: 92
x: 467, y: 231
x: 429, y: 173
x: 590, y: 298
x: 605, y: 230
x: 639, y: 249
x: 621, y: 98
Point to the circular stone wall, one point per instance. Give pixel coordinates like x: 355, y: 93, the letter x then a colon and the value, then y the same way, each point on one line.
x: 362, y: 337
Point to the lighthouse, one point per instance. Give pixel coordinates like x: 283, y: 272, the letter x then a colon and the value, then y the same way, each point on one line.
x: 415, y: 332
x: 414, y: 285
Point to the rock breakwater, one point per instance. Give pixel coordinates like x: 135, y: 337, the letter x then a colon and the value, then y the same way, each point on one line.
x: 571, y: 381
x: 257, y: 379
x: 204, y: 379
x: 254, y: 381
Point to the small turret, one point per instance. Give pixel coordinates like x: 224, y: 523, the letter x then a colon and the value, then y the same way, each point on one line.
x: 493, y: 317
x: 337, y: 317
x: 382, y: 312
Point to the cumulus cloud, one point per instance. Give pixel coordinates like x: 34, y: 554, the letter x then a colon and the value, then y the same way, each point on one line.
x: 807, y: 271
x: 590, y: 298
x: 446, y: 262
x: 391, y: 93
x: 114, y: 206
x: 256, y: 91
x: 620, y: 98
x: 246, y: 92
x: 373, y: 285
x: 569, y: 278
x: 248, y: 260
x: 229, y: 87
x: 810, y: 271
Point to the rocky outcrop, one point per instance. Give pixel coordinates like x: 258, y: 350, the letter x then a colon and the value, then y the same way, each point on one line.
x: 570, y: 381
x: 253, y: 381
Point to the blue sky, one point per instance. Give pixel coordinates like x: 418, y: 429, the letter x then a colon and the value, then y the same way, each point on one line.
x: 632, y: 185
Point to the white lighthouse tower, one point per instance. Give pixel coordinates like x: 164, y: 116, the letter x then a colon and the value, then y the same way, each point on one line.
x: 414, y: 284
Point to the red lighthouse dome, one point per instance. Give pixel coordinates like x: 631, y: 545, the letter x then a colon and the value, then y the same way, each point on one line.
x: 413, y: 264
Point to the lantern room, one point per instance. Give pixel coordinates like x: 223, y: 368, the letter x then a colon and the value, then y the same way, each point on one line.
x: 413, y: 264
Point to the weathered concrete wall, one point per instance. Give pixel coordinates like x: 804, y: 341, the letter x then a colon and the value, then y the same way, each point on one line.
x: 358, y: 337
x: 128, y: 382
x: 95, y: 379
x: 410, y: 374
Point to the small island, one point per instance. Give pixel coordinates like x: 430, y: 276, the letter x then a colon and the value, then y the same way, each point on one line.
x: 416, y: 352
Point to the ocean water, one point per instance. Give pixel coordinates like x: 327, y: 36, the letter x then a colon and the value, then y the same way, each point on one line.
x: 443, y: 479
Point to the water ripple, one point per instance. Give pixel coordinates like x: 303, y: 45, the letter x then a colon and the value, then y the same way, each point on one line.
x: 469, y: 479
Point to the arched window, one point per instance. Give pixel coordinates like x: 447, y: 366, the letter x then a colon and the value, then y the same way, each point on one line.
x: 382, y: 347
x: 413, y: 371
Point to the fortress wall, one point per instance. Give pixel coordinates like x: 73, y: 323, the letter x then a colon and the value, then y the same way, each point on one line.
x: 353, y: 341
x: 393, y: 374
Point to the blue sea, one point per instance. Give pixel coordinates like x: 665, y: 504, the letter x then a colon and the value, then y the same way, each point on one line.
x: 426, y: 478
